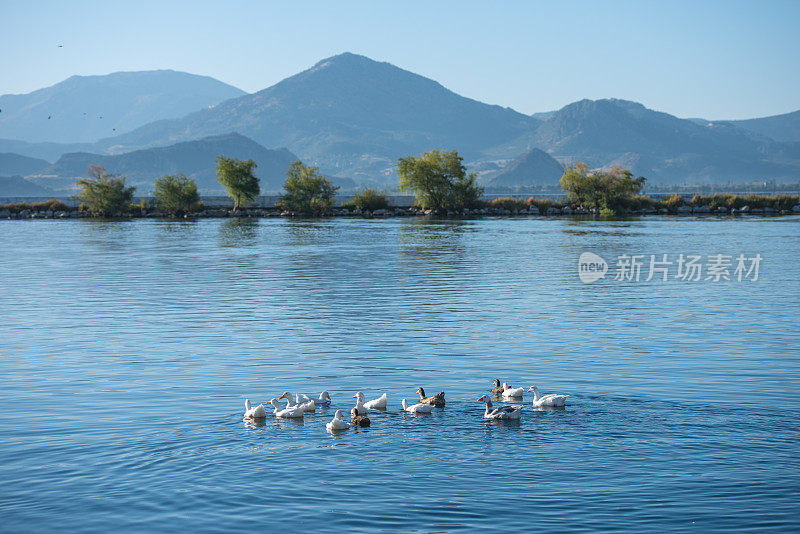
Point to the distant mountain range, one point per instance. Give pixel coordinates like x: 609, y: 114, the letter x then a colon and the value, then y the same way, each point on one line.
x: 196, y: 159
x: 14, y: 164
x: 785, y: 128
x: 88, y: 108
x: 354, y: 117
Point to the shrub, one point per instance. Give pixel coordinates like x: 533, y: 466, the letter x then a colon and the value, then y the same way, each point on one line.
x: 508, y: 203
x: 672, y: 203
x: 541, y: 203
x: 307, y: 191
x: 368, y: 200
x: 176, y: 194
x: 104, y: 194
x: 637, y: 202
x: 47, y: 205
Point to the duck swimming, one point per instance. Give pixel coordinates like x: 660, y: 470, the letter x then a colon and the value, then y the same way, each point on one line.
x: 416, y: 408
x: 358, y: 419
x: 309, y: 406
x: 289, y: 412
x: 547, y: 400
x: 511, y: 393
x: 497, y: 387
x: 337, y: 423
x: 504, y: 413
x: 254, y: 412
x: 374, y: 404
x: 436, y: 400
x: 323, y: 400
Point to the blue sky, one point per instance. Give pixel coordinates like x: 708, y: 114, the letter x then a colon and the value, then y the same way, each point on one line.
x: 715, y: 60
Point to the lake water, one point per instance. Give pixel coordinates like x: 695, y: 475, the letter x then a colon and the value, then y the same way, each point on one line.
x: 127, y: 350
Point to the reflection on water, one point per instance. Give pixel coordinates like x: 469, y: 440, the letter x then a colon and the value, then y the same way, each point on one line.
x: 238, y: 232
x: 141, y: 340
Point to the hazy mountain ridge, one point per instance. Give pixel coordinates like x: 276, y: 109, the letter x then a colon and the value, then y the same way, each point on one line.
x: 87, y: 108
x: 16, y: 165
x: 354, y: 117
x: 196, y: 159
x: 784, y: 128
x: 345, y: 114
x: 535, y: 167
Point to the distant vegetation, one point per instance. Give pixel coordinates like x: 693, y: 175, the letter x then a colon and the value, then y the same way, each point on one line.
x: 439, y: 181
x: 238, y: 177
x: 368, y: 200
x: 437, y: 178
x: 611, y: 192
x: 176, y: 194
x: 307, y: 191
x: 104, y: 194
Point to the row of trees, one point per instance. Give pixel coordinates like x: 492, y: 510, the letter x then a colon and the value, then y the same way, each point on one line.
x: 104, y: 194
x: 437, y: 178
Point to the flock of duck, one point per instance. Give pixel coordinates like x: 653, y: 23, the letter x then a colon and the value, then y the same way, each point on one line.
x: 298, y: 405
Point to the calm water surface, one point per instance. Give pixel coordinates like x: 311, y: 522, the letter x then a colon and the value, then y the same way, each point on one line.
x: 127, y: 350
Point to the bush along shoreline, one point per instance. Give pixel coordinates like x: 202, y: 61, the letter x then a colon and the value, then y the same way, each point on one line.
x: 698, y: 205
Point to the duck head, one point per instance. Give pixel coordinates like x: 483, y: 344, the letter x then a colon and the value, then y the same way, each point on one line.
x: 421, y: 393
x: 275, y: 404
x: 535, y: 392
x: 360, y: 397
x: 496, y: 382
x: 325, y: 395
x: 338, y: 414
x: 487, y: 400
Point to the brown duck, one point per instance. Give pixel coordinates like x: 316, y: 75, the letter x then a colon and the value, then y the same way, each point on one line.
x: 359, y: 419
x: 436, y: 400
x: 497, y: 388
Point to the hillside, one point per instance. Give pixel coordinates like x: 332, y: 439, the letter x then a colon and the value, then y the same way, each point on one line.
x: 350, y: 115
x: 785, y: 128
x: 17, y: 186
x: 535, y: 167
x: 657, y: 145
x: 15, y: 164
x: 87, y: 108
x: 196, y: 159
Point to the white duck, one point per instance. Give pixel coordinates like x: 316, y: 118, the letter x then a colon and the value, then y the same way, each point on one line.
x: 323, y: 400
x: 503, y: 412
x: 309, y: 406
x: 547, y: 400
x: 337, y: 423
x: 416, y: 408
x: 254, y: 412
x: 512, y: 393
x: 288, y: 412
x: 374, y: 404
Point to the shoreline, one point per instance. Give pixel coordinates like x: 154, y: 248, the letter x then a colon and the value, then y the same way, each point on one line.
x: 271, y: 213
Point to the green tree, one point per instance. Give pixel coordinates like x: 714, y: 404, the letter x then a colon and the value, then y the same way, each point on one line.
x: 306, y: 190
x: 176, y: 194
x: 239, y: 179
x: 369, y: 200
x: 103, y: 193
x: 439, y: 181
x: 609, y: 191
